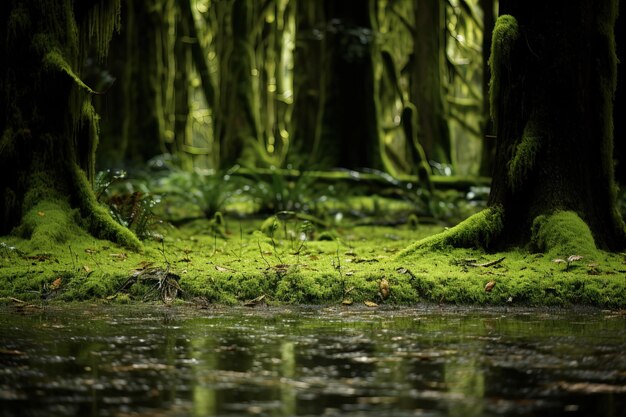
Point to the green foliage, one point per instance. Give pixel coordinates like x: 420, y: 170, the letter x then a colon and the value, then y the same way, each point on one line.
x: 207, y: 192
x: 133, y: 209
x: 279, y: 193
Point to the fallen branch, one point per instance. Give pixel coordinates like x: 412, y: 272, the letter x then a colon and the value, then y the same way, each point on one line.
x: 486, y: 264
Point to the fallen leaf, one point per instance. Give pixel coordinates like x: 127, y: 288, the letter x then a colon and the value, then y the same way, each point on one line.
x: 383, y: 287
x: 119, y: 256
x: 370, y: 303
x: 87, y: 269
x: 559, y: 261
x: 41, y: 213
x: 56, y: 284
x: 490, y: 286
x: 347, y: 302
x: 221, y: 268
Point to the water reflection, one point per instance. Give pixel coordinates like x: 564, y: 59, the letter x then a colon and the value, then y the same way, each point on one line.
x: 114, y: 361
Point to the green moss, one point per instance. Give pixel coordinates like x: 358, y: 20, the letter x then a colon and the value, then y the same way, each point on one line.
x: 48, y: 224
x: 98, y: 220
x: 249, y: 265
x: 505, y: 35
x: 563, y: 234
x: 476, y: 231
x: 525, y: 153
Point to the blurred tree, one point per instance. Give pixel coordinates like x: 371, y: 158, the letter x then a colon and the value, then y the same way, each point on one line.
x: 49, y: 127
x: 427, y: 88
x: 350, y: 133
x: 308, y: 81
x: 554, y: 73
x: 237, y: 116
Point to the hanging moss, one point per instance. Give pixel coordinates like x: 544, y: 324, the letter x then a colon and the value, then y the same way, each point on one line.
x: 525, y: 153
x: 505, y: 35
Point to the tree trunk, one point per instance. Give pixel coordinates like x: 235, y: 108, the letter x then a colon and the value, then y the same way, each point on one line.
x: 350, y: 127
x: 427, y: 88
x: 309, y: 79
x: 489, y: 143
x: 553, y: 78
x: 237, y: 115
x: 620, y: 97
x: 144, y: 121
x: 49, y: 126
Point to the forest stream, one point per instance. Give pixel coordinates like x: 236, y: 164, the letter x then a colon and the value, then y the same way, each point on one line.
x: 153, y: 360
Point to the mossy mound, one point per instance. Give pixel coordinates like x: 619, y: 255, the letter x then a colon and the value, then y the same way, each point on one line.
x: 563, y: 234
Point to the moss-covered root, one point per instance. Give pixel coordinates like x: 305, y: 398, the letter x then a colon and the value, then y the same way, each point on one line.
x: 475, y: 231
x: 99, y: 221
x: 563, y: 234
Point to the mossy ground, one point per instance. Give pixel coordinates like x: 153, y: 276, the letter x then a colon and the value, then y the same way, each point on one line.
x: 342, y: 265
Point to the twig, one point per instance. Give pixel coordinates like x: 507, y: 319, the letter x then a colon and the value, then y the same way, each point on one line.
x: 261, y: 252
x: 487, y: 264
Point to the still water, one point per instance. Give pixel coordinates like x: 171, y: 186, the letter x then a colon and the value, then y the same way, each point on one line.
x: 311, y: 361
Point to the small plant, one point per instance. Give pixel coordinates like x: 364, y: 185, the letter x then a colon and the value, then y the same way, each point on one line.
x: 130, y: 205
x: 281, y: 193
x: 207, y: 191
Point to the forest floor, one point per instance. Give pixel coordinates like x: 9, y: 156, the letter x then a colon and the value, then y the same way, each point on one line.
x: 331, y: 241
x: 285, y: 260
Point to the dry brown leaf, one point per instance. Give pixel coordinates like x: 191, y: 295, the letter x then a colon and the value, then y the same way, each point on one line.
x: 221, y: 268
x: 370, y: 303
x: 56, y: 283
x: 347, y: 302
x: 490, y: 286
x: 383, y: 287
x: 41, y: 213
x: 87, y: 269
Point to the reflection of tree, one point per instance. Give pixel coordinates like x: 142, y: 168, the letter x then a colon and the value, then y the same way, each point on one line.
x: 467, y: 379
x: 288, y: 364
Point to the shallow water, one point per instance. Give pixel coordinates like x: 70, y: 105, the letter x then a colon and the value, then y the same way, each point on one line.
x: 311, y: 361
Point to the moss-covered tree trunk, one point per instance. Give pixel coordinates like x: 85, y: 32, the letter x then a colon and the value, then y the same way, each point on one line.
x: 489, y: 143
x: 308, y: 80
x: 49, y: 127
x: 350, y: 134
x: 237, y: 115
x: 553, y: 79
x: 426, y: 82
x: 144, y: 107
